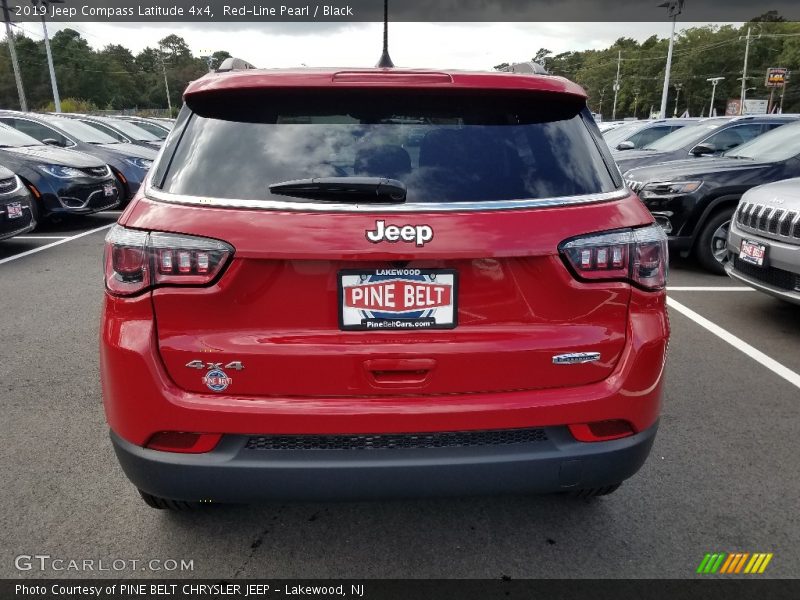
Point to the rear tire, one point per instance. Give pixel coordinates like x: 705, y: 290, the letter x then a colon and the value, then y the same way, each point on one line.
x: 166, y: 504
x: 712, y: 243
x: 594, y: 492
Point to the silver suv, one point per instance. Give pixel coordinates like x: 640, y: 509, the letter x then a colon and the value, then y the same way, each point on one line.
x: 764, y: 240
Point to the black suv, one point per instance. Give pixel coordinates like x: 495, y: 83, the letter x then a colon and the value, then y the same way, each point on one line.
x: 709, y: 137
x: 61, y: 181
x: 694, y: 199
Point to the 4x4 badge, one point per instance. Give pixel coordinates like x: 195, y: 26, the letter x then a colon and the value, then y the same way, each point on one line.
x: 419, y: 234
x: 236, y: 365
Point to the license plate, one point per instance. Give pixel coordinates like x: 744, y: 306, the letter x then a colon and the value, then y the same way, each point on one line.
x: 390, y: 299
x: 753, y: 253
x: 109, y: 189
x: 14, y: 210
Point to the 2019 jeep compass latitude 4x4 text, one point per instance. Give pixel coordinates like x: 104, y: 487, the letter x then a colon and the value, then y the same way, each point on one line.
x: 382, y: 282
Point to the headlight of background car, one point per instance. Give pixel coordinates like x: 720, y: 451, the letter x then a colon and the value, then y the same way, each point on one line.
x: 663, y: 189
x: 141, y: 163
x: 62, y: 172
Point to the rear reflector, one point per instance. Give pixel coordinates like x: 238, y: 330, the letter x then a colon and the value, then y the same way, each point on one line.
x: 601, y: 431
x: 184, y: 442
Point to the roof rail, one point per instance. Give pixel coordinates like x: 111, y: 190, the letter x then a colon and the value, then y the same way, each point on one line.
x: 234, y: 64
x: 530, y: 68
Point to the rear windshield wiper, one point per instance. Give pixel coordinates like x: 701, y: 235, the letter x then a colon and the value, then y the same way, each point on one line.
x: 344, y: 189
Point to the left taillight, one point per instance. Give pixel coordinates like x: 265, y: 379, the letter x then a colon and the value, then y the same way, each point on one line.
x: 138, y: 260
x: 639, y: 256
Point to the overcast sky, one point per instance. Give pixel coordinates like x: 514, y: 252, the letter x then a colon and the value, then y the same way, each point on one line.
x: 437, y: 45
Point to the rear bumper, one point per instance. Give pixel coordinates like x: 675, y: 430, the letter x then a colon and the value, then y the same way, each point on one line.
x: 234, y: 473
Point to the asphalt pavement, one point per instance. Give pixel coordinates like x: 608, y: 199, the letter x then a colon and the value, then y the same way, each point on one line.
x: 724, y: 473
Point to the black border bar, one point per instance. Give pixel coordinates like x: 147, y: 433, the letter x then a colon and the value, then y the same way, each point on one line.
x: 342, y: 11
x: 743, y: 587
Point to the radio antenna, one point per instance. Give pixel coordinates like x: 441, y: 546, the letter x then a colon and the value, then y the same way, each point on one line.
x: 385, y: 62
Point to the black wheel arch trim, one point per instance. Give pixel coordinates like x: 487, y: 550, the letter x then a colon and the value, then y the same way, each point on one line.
x: 709, y: 210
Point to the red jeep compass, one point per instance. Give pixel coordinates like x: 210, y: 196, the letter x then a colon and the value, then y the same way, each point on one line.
x: 382, y: 282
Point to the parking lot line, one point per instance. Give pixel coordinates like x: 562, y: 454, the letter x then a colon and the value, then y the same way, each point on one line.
x: 707, y: 288
x: 738, y: 343
x: 41, y: 237
x: 59, y: 242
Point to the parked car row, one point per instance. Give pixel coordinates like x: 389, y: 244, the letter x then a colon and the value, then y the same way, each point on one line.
x: 633, y: 135
x: 53, y: 165
x: 692, y: 179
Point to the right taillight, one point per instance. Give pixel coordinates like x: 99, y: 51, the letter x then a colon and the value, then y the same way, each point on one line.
x: 639, y: 256
x: 138, y: 260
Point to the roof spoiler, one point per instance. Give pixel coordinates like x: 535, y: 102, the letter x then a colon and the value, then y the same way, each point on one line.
x: 234, y: 64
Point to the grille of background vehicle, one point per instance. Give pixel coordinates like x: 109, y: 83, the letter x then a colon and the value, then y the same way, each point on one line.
x: 447, y: 439
x: 769, y: 219
x: 96, y: 171
x: 7, y: 185
x: 635, y: 186
x: 778, y: 278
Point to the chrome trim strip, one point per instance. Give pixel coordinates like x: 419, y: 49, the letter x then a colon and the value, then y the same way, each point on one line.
x: 793, y: 226
x: 576, y: 358
x: 750, y: 216
x: 757, y: 225
x: 86, y: 202
x: 781, y: 219
x: 285, y: 205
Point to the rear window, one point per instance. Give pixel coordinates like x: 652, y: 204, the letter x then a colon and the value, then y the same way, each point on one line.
x: 11, y: 138
x: 132, y: 131
x: 445, y: 147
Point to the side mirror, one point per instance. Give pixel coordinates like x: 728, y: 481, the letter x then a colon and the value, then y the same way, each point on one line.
x: 627, y: 145
x: 704, y: 148
x: 51, y: 142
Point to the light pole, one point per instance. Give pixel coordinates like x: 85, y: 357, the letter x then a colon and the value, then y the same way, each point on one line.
x: 783, y: 92
x: 678, y: 87
x: 166, y: 83
x: 714, y: 81
x: 616, y: 87
x: 602, y: 93
x: 744, y: 71
x: 44, y: 3
x: 12, y: 50
x: 635, y: 101
x: 741, y: 106
x: 674, y: 8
